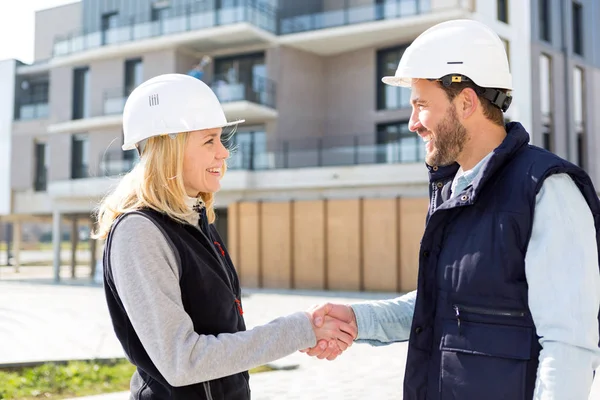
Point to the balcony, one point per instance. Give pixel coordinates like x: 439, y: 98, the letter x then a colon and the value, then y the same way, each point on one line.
x: 253, y: 100
x: 342, y: 162
x: 351, y: 28
x: 328, y: 151
x: 31, y: 111
x: 196, y: 25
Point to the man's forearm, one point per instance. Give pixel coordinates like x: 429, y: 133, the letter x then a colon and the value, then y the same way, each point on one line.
x: 385, y: 321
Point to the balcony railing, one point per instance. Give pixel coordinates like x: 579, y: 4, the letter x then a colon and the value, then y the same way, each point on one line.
x: 339, y: 150
x: 114, y: 101
x: 389, y: 9
x: 117, y: 162
x: 33, y: 111
x: 260, y: 90
x: 194, y: 16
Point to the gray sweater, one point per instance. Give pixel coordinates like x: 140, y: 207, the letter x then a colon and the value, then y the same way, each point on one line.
x: 146, y: 277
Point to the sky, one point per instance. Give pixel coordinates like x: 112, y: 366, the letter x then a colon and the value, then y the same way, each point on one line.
x: 17, y: 27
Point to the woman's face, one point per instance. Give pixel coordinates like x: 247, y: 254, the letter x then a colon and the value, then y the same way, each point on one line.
x: 203, y: 162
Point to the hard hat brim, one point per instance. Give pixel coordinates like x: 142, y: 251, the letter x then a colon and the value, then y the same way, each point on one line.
x: 132, y: 146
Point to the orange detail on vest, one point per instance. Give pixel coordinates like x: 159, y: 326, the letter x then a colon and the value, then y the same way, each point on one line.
x: 239, y: 305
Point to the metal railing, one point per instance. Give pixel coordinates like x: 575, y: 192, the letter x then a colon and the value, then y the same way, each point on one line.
x: 29, y: 111
x: 389, y: 9
x: 113, y: 101
x: 259, y: 90
x: 193, y: 16
x: 338, y: 150
x: 117, y: 162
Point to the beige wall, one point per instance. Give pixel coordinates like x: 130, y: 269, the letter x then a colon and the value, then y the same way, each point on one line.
x: 61, y: 94
x: 60, y: 157
x: 160, y: 62
x: 22, y: 161
x: 105, y: 75
x: 353, y: 244
x: 276, y: 245
x: 52, y: 22
x: 300, y: 93
x: 309, y: 250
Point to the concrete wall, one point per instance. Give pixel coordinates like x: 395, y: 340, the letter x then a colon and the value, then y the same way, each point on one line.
x: 53, y: 22
x: 60, y: 157
x: 300, y: 93
x: 22, y: 162
x: 61, y: 94
x: 7, y: 98
x: 344, y: 244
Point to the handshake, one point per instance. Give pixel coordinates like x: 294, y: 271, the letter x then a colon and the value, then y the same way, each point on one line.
x: 335, y: 328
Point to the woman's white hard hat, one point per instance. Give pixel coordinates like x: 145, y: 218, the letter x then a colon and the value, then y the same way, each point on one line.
x: 459, y: 47
x: 170, y: 104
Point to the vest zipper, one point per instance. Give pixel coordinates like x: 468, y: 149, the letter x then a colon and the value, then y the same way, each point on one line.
x: 484, y: 311
x: 222, y: 264
x: 207, y: 390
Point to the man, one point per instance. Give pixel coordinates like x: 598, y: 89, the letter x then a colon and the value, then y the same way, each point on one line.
x: 508, y: 293
x: 197, y: 70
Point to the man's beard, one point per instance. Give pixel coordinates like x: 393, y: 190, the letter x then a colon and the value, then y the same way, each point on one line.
x: 448, y: 140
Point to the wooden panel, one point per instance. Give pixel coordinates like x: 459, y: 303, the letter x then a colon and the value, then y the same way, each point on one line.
x: 413, y: 212
x: 233, y: 234
x: 276, y: 245
x: 380, y: 244
x: 309, y: 245
x: 343, y: 244
x: 249, y: 240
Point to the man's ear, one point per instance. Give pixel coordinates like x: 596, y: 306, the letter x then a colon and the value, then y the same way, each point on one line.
x: 468, y: 103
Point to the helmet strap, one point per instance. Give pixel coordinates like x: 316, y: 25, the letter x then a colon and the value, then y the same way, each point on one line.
x: 497, y: 97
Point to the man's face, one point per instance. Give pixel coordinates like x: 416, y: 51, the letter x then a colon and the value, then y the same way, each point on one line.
x: 435, y: 119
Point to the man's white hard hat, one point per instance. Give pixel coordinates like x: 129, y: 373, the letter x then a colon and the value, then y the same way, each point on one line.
x: 458, y: 47
x: 170, y: 104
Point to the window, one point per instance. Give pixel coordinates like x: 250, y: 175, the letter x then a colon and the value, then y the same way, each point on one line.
x: 577, y: 28
x: 546, y: 100
x: 396, y: 144
x: 507, y: 49
x: 544, y: 18
x: 81, y: 93
x: 579, y: 114
x: 80, y: 156
x: 390, y: 97
x: 250, y: 147
x: 42, y: 158
x: 34, y: 100
x: 134, y: 75
x: 109, y: 23
x: 241, y: 78
x: 502, y: 10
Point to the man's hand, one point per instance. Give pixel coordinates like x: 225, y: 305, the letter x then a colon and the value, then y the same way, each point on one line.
x: 330, y: 349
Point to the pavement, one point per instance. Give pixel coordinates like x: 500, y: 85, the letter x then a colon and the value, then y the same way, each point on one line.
x: 42, y: 321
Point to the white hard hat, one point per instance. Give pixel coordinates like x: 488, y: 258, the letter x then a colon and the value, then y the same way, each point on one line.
x: 170, y: 104
x: 462, y: 47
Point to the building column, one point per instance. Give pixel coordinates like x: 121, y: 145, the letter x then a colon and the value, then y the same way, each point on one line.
x: 93, y: 250
x: 74, y: 241
x: 17, y: 238
x: 56, y: 239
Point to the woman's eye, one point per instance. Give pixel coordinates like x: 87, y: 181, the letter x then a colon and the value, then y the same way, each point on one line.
x: 210, y: 141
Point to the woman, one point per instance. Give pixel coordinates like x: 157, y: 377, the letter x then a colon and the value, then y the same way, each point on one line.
x: 172, y: 291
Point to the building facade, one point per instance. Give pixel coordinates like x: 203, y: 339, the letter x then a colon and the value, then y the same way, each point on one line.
x: 326, y: 188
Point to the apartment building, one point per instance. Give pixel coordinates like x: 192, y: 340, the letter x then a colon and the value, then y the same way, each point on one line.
x: 327, y: 188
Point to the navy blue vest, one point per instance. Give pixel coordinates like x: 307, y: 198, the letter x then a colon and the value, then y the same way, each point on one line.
x: 472, y: 335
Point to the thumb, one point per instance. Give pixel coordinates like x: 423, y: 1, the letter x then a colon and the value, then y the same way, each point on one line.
x: 319, y: 315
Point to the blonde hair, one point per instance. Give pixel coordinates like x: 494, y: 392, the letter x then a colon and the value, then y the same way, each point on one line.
x: 156, y: 182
